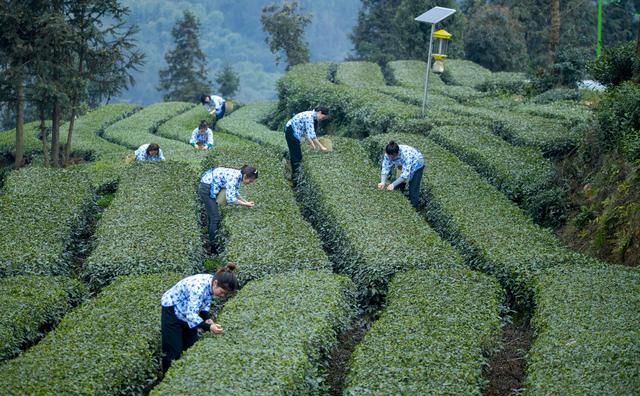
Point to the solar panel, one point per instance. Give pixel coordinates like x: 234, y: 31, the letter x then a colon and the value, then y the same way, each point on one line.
x: 435, y: 15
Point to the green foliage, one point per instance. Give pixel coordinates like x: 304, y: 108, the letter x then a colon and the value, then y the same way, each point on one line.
x: 360, y: 74
x: 134, y: 131
x: 505, y: 82
x: 228, y: 81
x: 495, y: 39
x: 387, y: 30
x: 556, y: 95
x: 464, y: 72
x: 278, y: 331
x: 619, y: 119
x: 587, y: 340
x: 109, y: 345
x: 411, y: 73
x: 181, y: 126
x: 568, y: 112
x: 40, y: 213
x: 342, y: 206
x: 151, y: 226
x: 32, y: 304
x: 616, y: 65
x: 284, y: 27
x: 185, y: 77
x: 244, y: 123
x: 433, y: 337
x: 519, y: 172
x: 355, y: 112
x: 32, y: 145
x: 491, y: 232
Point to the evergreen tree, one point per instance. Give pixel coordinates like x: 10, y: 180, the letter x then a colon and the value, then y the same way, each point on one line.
x: 285, y: 30
x: 495, y: 40
x: 386, y: 29
x: 185, y: 77
x: 228, y: 81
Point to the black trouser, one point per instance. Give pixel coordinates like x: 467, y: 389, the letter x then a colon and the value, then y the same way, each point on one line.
x: 295, y: 151
x: 176, y: 337
x: 414, y: 187
x: 213, y: 213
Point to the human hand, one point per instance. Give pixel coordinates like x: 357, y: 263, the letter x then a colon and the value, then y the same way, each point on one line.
x: 323, y: 149
x: 249, y: 204
x: 215, y: 328
x: 209, y: 322
x: 390, y: 187
x: 380, y: 186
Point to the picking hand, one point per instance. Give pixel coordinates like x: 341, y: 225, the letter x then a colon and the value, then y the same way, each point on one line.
x: 380, y: 186
x: 390, y: 187
x: 215, y: 328
x: 323, y: 149
x: 250, y: 204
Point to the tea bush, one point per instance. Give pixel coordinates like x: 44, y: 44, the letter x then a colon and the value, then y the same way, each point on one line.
x: 587, y: 339
x: 151, y: 226
x: 491, y: 232
x: 464, y: 72
x: 180, y: 127
x: 338, y: 193
x: 32, y: 304
x: 360, y: 74
x: 277, y: 333
x: 434, y: 336
x: 244, y: 123
x: 41, y: 213
x: 505, y: 82
x: 107, y: 346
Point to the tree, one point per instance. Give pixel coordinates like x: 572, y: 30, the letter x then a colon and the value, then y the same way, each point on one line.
x: 386, y: 30
x: 285, y: 30
x: 495, y: 39
x: 185, y: 77
x: 228, y: 81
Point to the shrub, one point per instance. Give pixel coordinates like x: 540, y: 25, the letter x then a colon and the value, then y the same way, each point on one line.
x: 433, y: 337
x: 180, y: 127
x: 244, y: 123
x: 139, y: 129
x: 360, y: 74
x: 277, y: 332
x: 616, y: 65
x: 586, y: 323
x: 567, y: 112
x: 491, y: 232
x: 411, y: 73
x: 31, y: 143
x: 505, y: 82
x: 338, y: 193
x: 151, y: 226
x: 31, y: 305
x: 619, y: 121
x: 557, y: 94
x: 41, y: 213
x: 464, y: 72
x: 354, y: 113
x: 109, y: 345
x: 519, y: 172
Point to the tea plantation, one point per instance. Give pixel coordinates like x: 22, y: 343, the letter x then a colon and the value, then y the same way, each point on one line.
x: 87, y: 251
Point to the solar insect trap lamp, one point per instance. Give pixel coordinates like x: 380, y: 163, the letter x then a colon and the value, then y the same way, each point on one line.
x: 433, y: 16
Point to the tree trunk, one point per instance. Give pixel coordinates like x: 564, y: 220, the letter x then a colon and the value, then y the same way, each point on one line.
x: 43, y: 133
x: 554, y: 35
x: 72, y: 120
x: 55, y: 134
x: 19, y: 124
x: 636, y: 69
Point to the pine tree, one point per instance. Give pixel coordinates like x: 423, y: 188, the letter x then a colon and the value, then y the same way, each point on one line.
x: 185, y: 77
x: 228, y: 81
x: 285, y: 32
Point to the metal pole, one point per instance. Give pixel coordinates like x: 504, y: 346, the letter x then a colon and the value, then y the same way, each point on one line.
x: 599, y: 37
x: 426, y: 79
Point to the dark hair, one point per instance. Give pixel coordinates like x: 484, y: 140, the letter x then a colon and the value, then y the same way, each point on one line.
x: 153, y: 147
x: 322, y: 109
x: 204, y: 97
x: 226, y: 278
x: 392, y: 148
x: 203, y: 124
x: 250, y: 171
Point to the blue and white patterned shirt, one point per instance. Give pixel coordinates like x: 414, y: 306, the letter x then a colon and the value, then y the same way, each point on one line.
x: 216, y: 103
x: 206, y: 138
x: 303, y: 124
x: 226, y: 178
x: 190, y: 296
x: 408, y: 157
x: 141, y: 154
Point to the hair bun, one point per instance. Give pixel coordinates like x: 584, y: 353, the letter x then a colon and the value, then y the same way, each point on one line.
x: 230, y: 267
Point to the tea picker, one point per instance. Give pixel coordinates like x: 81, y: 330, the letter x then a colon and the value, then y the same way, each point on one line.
x: 149, y: 152
x: 412, y: 163
x: 202, y: 137
x: 303, y: 125
x: 216, y: 181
